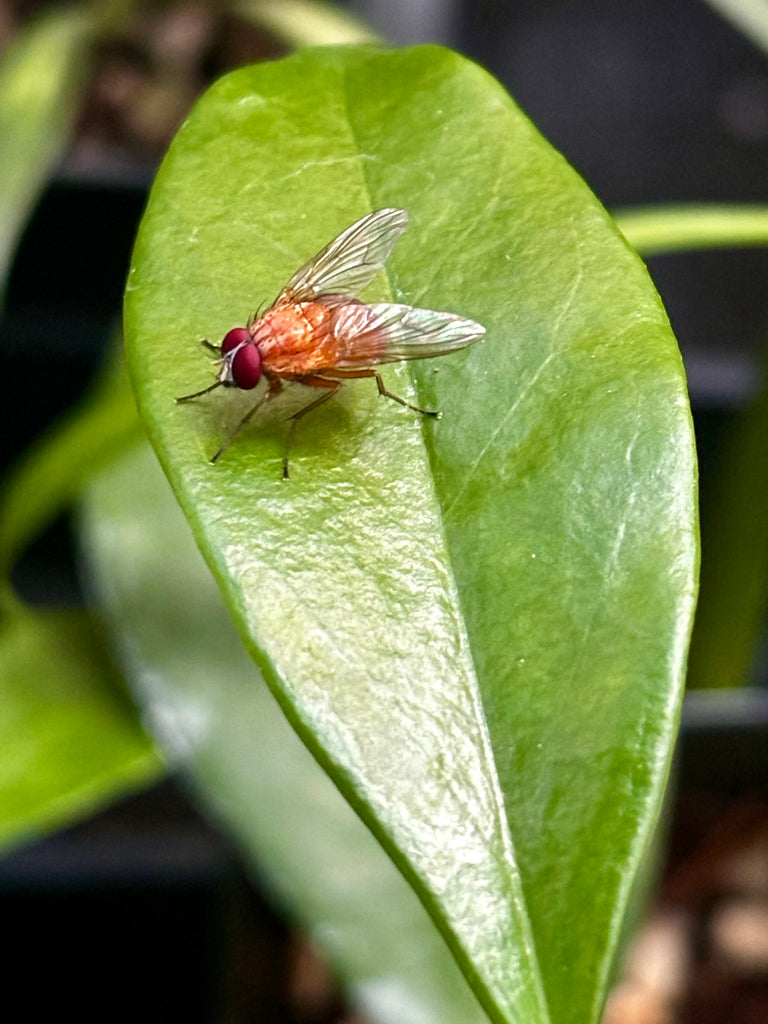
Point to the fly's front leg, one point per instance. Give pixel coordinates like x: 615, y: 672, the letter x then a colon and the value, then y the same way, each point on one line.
x: 216, y: 384
x: 355, y: 374
x: 310, y: 382
x: 273, y: 389
x: 197, y: 394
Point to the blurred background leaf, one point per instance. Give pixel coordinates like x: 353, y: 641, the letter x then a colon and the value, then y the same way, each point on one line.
x: 42, y: 77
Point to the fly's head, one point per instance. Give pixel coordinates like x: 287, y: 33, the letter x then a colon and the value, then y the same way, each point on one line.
x: 240, y: 360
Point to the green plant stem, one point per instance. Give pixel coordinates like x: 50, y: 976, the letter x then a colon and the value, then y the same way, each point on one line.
x: 306, y: 22
x: 749, y: 16
x: 659, y: 229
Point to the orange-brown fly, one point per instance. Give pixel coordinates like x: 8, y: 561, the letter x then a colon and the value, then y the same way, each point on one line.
x: 318, y: 334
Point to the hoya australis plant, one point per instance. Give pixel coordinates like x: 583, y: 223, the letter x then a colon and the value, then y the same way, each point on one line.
x: 477, y: 625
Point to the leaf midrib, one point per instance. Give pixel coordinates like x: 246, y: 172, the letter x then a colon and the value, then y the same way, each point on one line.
x: 425, y: 895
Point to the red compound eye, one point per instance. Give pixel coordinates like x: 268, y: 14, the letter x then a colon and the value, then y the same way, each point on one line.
x: 237, y: 336
x: 246, y: 366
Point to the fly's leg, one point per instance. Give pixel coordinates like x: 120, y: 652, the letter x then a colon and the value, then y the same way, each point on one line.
x: 273, y: 389
x: 197, y: 394
x: 216, y: 384
x: 311, y: 382
x: 355, y: 374
x: 434, y: 413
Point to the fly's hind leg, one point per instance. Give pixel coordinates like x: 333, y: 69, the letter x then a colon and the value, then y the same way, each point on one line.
x: 355, y: 374
x: 436, y: 414
x: 311, y: 382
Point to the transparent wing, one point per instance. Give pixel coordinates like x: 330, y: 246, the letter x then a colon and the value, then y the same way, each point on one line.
x: 350, y: 261
x: 388, y: 332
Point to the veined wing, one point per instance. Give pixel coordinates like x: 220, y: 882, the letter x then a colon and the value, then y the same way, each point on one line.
x: 387, y: 332
x: 350, y: 261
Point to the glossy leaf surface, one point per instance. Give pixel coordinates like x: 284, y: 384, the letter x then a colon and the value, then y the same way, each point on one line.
x: 213, y: 712
x: 477, y: 625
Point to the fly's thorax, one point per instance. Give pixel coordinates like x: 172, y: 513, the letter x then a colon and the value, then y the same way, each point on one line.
x: 290, y: 336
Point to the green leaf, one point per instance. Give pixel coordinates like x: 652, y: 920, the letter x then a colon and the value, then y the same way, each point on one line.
x: 734, y: 578
x: 478, y: 626
x: 50, y: 473
x: 41, y: 77
x: 69, y: 740
x: 209, y: 705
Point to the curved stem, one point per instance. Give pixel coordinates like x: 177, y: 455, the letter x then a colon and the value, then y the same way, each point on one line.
x: 659, y: 229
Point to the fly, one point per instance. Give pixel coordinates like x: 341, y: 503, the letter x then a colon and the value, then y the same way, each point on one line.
x: 317, y: 333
